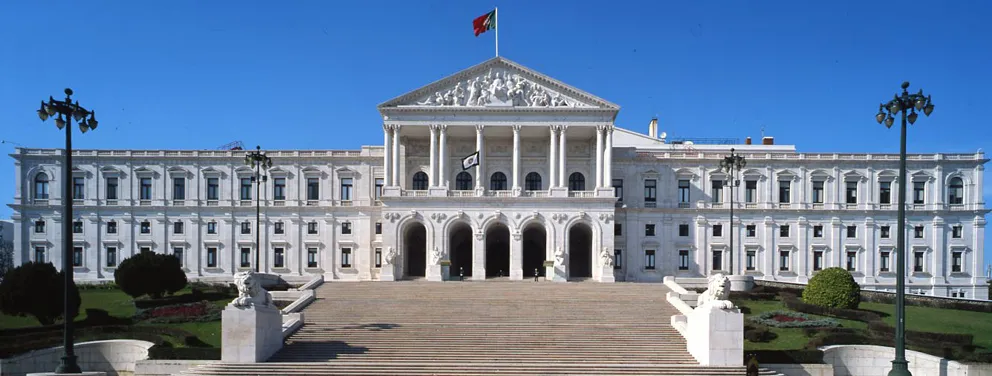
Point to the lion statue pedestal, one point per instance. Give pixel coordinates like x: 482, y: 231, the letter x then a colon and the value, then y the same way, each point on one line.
x: 251, y: 325
x: 715, y: 328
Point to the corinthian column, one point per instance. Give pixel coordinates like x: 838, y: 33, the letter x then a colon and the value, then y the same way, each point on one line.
x: 432, y: 175
x: 387, y: 145
x: 396, y: 155
x: 562, y: 164
x: 442, y: 179
x: 608, y: 158
x: 553, y: 160
x: 516, y: 158
x: 599, y: 156
x: 480, y: 168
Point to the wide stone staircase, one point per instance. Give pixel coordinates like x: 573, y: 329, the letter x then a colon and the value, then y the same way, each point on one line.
x: 483, y: 328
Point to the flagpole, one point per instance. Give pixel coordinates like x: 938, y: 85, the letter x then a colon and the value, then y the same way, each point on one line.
x: 496, y: 16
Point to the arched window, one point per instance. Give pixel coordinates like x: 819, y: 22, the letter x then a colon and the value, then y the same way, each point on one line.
x: 420, y: 181
x: 532, y: 182
x: 955, y: 192
x: 577, y: 181
x: 498, y: 181
x: 41, y: 186
x: 463, y: 182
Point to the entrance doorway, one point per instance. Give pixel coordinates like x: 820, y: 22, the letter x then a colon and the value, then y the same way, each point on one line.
x: 415, y: 250
x: 580, y: 251
x: 535, y: 250
x: 498, y: 251
x: 460, y: 250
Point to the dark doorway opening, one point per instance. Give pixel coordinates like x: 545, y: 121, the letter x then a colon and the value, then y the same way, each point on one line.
x: 535, y: 250
x: 580, y: 251
x: 498, y: 251
x: 415, y: 250
x: 460, y: 249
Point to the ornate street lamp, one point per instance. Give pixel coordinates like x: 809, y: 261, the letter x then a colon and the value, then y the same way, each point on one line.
x: 258, y: 160
x: 64, y: 112
x: 907, y: 103
x: 732, y: 164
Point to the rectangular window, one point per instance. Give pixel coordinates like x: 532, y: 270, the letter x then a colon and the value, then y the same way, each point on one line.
x: 77, y: 227
x: 211, y: 257
x: 179, y: 188
x: 683, y: 230
x: 717, y: 260
x: 313, y: 189
x: 649, y: 259
x: 146, y: 249
x: 852, y: 231
x: 378, y: 188
x: 378, y: 257
x: 918, y: 262
x: 783, y: 231
x: 312, y: 258
x: 784, y: 192
x: 345, y: 257
x: 885, y: 192
x: 783, y: 261
x: 145, y: 227
x: 346, y: 228
x: 956, y: 262
x: 683, y: 191
x: 751, y: 231
x: 112, y: 227
x: 279, y: 228
x: 852, y: 261
x: 617, y: 259
x: 956, y: 231
x: 818, y: 192
x: 39, y: 227
x: 818, y: 260
x: 818, y: 231
x: 919, y: 192
x: 750, y: 191
x: 918, y: 232
x: 717, y: 191
x: 213, y: 188
x: 245, y: 257
x: 649, y: 229
x: 39, y: 254
x: 245, y: 228
x: 111, y: 188
x: 178, y: 253
x: 77, y: 257
x: 749, y: 260
x: 312, y: 228
x: 211, y: 227
x: 146, y: 189
x: 78, y: 188
x: 346, y: 185
x: 177, y: 228
x: 618, y: 189
x: 617, y: 229
x: 883, y: 232
x: 684, y: 259
x: 650, y: 190
x: 717, y: 230
x: 852, y: 192
x: 279, y: 257
x: 245, y: 189
x: 378, y: 228
x: 279, y: 189
x: 111, y: 257
x: 883, y: 261
x: 41, y: 188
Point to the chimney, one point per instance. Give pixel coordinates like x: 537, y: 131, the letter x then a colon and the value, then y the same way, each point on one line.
x: 653, y: 128
x: 747, y: 141
x: 768, y: 140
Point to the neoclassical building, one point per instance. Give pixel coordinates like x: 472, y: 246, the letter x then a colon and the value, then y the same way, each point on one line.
x: 560, y: 190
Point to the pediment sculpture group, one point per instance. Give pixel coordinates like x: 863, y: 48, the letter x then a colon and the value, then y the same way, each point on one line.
x: 498, y: 87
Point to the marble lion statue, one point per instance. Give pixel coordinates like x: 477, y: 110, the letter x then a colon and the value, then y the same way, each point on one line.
x: 250, y: 291
x: 717, y: 293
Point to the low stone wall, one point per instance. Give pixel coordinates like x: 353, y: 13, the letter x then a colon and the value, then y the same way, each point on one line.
x: 802, y: 369
x: 889, y: 297
x: 866, y: 360
x: 166, y: 367
x: 115, y: 357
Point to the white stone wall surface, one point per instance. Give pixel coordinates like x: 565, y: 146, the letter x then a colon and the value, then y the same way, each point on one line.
x: 865, y: 360
x: 115, y: 357
x: 801, y: 369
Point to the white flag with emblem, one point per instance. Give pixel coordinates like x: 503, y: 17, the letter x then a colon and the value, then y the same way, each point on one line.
x: 470, y: 161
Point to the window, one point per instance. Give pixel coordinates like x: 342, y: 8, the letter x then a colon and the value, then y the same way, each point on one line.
x: 649, y: 259
x: 112, y: 227
x: 178, y: 253
x: 378, y: 257
x: 41, y: 188
x: 717, y: 260
x: 346, y: 186
x: 956, y: 262
x: 818, y: 260
x: 956, y: 231
x: 245, y: 228
x: 213, y: 188
x: 345, y: 257
x: 312, y: 258
x: 576, y: 182
x: 146, y: 189
x: 717, y: 230
x: 245, y: 257
x: 884, y: 232
x: 617, y: 259
x: 39, y: 226
x: 246, y: 188
x: 717, y: 192
x: 379, y: 183
x: 111, y: 188
x: 650, y: 190
x: 145, y: 227
x: 179, y: 188
x: 77, y: 227
x: 312, y: 228
x: 532, y: 181
x: 649, y: 229
x: 378, y: 228
x: 852, y: 261
x: 818, y: 191
x: 211, y: 227
x: 852, y: 231
x: 750, y: 191
x: 852, y: 192
x: 420, y: 181
x: 683, y: 191
x: 177, y: 227
x: 918, y: 262
x: 146, y: 249
x: 78, y: 188
x: 346, y: 228
x: 749, y: 260
x: 279, y: 228
x: 783, y: 231
x: 497, y: 181
x: 883, y: 261
x: 77, y: 257
x: 279, y: 189
x: 783, y: 261
x: 918, y: 232
x: 618, y: 189
x: 818, y: 231
x: 463, y: 181
x: 684, y: 259
x: 279, y: 257
x: 683, y: 229
x: 313, y: 189
x: 885, y: 192
x: 955, y: 192
x: 617, y: 229
x: 211, y: 257
x: 111, y: 257
x: 39, y: 254
x: 751, y: 231
x: 919, y: 191
x: 784, y: 192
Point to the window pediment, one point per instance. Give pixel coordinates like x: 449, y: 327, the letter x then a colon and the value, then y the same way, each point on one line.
x: 921, y: 176
x: 753, y: 174
x: 685, y: 173
x: 345, y: 172
x: 145, y: 172
x: 212, y: 172
x: 854, y: 176
x: 786, y: 175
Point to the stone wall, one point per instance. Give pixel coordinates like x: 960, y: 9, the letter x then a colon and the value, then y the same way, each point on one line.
x: 166, y: 367
x: 115, y: 357
x: 889, y: 297
x: 865, y: 360
x: 801, y: 369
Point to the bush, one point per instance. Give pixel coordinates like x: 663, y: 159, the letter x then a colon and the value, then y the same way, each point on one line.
x: 190, y: 312
x: 833, y: 287
x: 786, y: 356
x: 758, y: 333
x: 187, y: 353
x: 789, y: 319
x: 38, y: 290
x: 149, y: 273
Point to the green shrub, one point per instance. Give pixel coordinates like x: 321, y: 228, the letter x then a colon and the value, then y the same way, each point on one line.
x: 149, y: 273
x: 38, y: 290
x: 758, y: 333
x: 833, y: 287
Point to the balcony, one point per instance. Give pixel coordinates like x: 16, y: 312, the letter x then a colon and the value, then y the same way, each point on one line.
x: 212, y: 203
x: 414, y: 193
x: 346, y: 203
x: 144, y: 202
x: 178, y: 202
x: 539, y: 194
x: 682, y: 205
x: 582, y: 194
x: 245, y: 203
x: 311, y: 203
x: 279, y: 203
x: 462, y: 193
x: 510, y: 193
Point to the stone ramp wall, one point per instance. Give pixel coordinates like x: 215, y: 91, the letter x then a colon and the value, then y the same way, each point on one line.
x: 115, y: 357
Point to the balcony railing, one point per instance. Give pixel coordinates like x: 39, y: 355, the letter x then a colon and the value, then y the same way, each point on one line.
x: 461, y: 193
x: 582, y: 194
x: 414, y: 193
x: 508, y: 193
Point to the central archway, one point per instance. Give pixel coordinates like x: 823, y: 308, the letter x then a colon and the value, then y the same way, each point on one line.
x: 498, y: 251
x: 580, y: 251
x: 415, y: 250
x: 534, y: 249
x: 460, y: 250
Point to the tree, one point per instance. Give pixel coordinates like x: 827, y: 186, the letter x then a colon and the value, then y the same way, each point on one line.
x: 6, y: 254
x: 149, y: 273
x: 37, y: 289
x: 833, y: 287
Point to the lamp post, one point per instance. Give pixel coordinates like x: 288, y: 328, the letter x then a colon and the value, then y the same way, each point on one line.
x: 258, y: 160
x: 910, y: 103
x: 64, y: 112
x: 732, y: 164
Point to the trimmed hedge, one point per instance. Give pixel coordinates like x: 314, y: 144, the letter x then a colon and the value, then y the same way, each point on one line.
x: 813, y: 356
x: 184, y: 353
x: 833, y: 287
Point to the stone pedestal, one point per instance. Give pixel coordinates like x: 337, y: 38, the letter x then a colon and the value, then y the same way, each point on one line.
x: 391, y: 191
x: 741, y: 282
x: 434, y: 273
x: 607, y: 275
x: 250, y: 335
x: 388, y: 273
x: 558, y: 192
x: 556, y: 274
x: 437, y: 192
x: 715, y: 337
x: 605, y: 192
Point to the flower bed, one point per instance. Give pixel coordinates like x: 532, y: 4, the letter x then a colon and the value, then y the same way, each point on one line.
x: 789, y: 319
x: 189, y: 312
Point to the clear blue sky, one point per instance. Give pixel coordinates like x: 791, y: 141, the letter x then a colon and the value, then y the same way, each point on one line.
x: 308, y: 74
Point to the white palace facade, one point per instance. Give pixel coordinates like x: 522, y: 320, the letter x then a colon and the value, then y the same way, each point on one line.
x: 560, y: 191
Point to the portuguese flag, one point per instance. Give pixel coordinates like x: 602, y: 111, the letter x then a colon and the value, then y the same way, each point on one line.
x: 484, y: 22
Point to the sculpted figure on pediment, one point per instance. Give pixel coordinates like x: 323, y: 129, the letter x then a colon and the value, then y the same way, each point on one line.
x: 498, y: 87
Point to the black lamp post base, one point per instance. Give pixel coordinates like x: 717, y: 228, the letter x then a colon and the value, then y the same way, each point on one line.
x: 900, y: 368
x: 68, y: 365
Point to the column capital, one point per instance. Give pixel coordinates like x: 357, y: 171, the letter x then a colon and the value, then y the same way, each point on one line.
x: 517, y: 128
x: 562, y: 127
x: 479, y: 128
x: 442, y: 127
x: 387, y: 127
x: 433, y: 127
x: 601, y: 127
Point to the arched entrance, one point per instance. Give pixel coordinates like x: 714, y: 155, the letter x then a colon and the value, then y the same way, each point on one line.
x: 498, y: 251
x: 415, y: 250
x: 460, y: 249
x: 580, y: 251
x: 535, y: 250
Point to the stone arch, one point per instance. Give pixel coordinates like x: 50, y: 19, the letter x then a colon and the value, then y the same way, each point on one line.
x: 497, y: 237
x: 535, y: 235
x: 491, y: 220
x: 414, y: 255
x: 582, y: 235
x: 459, y: 245
x: 32, y: 176
x: 965, y: 183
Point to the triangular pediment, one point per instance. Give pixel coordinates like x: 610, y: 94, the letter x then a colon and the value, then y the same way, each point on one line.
x: 498, y: 83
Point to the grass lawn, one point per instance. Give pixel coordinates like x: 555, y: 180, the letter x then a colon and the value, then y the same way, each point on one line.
x: 788, y: 338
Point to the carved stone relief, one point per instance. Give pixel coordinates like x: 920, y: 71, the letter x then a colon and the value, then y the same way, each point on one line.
x: 498, y: 87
